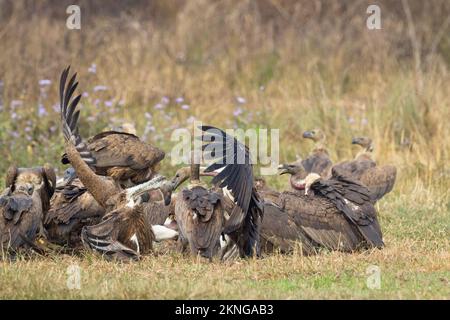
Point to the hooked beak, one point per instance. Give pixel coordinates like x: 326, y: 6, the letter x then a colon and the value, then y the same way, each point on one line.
x: 356, y: 141
x: 283, y: 169
x: 308, y: 135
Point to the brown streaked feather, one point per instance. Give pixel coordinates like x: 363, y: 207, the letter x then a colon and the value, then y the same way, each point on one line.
x: 203, y: 232
x: 318, y: 162
x: 72, y: 207
x: 353, y: 200
x: 280, y: 233
x: 20, y: 214
x: 113, y: 236
x: 379, y: 181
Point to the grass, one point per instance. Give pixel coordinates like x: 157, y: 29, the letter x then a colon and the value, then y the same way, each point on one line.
x: 278, y: 59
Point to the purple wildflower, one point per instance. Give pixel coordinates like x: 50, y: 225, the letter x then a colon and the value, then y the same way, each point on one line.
x: 165, y: 100
x: 185, y: 107
x: 45, y: 82
x: 237, y: 112
x: 16, y: 103
x: 56, y: 108
x: 100, y: 88
x: 109, y: 103
x: 159, y: 106
x: 148, y: 116
x: 85, y: 94
x: 241, y: 100
x: 364, y: 121
x: 191, y: 119
x: 179, y: 100
x: 41, y: 110
x: 92, y: 68
x: 14, y: 116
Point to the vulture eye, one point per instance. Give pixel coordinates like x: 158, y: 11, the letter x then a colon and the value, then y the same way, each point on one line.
x: 30, y: 190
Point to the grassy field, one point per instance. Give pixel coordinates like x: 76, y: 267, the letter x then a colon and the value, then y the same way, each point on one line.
x: 288, y: 65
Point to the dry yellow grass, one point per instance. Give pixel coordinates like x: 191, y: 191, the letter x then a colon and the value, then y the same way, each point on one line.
x: 298, y: 65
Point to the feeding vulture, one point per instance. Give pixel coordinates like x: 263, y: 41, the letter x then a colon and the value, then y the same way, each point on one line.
x: 120, y: 155
x: 335, y: 213
x: 318, y: 160
x: 234, y: 191
x: 199, y: 213
x: 23, y: 205
x: 71, y: 208
x: 378, y: 179
x: 124, y: 231
x: 232, y: 160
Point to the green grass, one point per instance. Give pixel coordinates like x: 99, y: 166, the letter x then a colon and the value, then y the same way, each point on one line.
x: 414, y: 265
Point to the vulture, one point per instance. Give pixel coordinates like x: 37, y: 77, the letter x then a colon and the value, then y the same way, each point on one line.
x: 199, y: 213
x: 335, y: 213
x: 318, y: 160
x: 234, y: 204
x: 23, y: 205
x: 124, y: 232
x: 71, y: 208
x: 297, y: 172
x: 120, y: 155
x: 232, y: 161
x: 378, y: 179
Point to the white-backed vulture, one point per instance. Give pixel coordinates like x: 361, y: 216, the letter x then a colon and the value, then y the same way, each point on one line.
x: 124, y: 231
x: 23, y: 205
x: 335, y: 213
x: 120, y: 155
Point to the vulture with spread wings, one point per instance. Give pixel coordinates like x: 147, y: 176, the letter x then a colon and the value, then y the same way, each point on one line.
x: 120, y: 155
x: 124, y: 231
x: 232, y: 161
x: 23, y: 205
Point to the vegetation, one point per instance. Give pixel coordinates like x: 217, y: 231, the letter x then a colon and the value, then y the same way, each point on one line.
x: 292, y: 65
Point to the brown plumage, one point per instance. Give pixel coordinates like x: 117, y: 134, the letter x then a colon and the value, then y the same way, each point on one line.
x: 318, y: 160
x: 235, y: 177
x: 123, y: 234
x: 199, y: 215
x: 125, y: 222
x: 378, y: 179
x: 71, y: 208
x: 336, y: 214
x: 23, y: 205
x: 120, y: 155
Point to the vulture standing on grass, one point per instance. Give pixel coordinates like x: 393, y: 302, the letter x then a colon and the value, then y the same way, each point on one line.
x: 23, y: 205
x: 335, y: 213
x: 199, y: 213
x: 318, y: 160
x: 378, y: 179
x: 120, y: 155
x: 124, y: 231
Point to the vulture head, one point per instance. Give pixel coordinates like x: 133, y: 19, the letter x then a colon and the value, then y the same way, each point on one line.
x: 364, y: 142
x: 315, y: 135
x: 183, y: 174
x: 297, y: 172
x: 30, y: 180
x: 290, y: 168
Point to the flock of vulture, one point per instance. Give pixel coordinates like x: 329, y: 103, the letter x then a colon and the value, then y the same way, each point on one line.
x: 113, y: 201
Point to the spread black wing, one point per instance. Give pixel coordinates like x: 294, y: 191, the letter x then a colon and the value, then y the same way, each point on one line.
x: 233, y: 161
